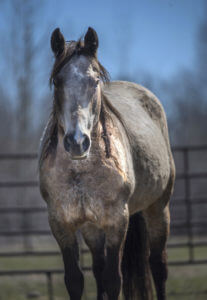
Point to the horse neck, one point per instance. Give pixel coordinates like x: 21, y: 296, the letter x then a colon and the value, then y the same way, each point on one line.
x: 103, y: 122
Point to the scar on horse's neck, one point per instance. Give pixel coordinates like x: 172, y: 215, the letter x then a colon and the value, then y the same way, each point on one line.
x: 105, y: 135
x: 100, y: 129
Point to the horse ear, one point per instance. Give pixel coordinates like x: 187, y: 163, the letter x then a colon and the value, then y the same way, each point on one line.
x: 57, y: 42
x: 91, y: 41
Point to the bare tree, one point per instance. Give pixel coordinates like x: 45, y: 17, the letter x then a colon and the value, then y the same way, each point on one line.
x: 17, y: 96
x: 187, y: 94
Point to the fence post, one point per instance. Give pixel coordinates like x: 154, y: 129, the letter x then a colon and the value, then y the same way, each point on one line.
x: 26, y: 225
x: 188, y: 205
x: 49, y: 286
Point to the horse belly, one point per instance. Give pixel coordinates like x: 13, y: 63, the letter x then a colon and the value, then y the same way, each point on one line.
x: 152, y: 175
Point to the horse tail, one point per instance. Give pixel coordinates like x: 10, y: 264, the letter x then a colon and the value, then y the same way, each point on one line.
x: 135, y: 261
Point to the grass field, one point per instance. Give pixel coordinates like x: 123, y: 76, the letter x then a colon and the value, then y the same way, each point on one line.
x: 188, y: 280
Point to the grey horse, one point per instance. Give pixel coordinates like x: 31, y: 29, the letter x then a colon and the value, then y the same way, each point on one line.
x: 106, y: 170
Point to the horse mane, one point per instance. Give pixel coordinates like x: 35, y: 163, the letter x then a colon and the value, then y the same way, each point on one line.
x: 49, y: 139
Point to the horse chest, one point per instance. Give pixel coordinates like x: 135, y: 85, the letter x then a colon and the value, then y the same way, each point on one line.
x: 78, y: 195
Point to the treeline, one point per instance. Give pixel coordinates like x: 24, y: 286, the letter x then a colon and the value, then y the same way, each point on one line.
x: 25, y: 100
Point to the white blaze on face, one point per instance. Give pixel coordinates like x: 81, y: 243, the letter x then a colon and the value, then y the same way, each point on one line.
x: 82, y: 123
x: 78, y: 92
x: 76, y: 72
x: 78, y: 120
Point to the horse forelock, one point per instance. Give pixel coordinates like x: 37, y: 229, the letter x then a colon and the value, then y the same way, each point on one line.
x: 77, y: 48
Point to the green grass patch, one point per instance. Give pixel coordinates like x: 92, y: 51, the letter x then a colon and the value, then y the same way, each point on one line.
x: 28, y: 263
x: 182, y: 279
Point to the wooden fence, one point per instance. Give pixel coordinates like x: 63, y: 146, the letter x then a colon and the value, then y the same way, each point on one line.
x: 186, y: 199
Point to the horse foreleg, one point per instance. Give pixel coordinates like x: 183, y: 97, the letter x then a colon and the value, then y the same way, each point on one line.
x: 67, y: 241
x: 73, y: 276
x: 158, y: 220
x: 95, y: 240
x: 112, y: 277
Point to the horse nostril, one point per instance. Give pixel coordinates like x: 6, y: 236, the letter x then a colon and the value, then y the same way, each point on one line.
x: 77, y: 147
x: 71, y: 139
x: 66, y: 142
x: 85, y: 143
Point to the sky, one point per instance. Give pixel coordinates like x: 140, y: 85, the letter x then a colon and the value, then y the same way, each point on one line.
x: 155, y: 37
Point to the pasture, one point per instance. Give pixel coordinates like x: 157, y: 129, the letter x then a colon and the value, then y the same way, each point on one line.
x: 27, y: 245
x: 185, y: 282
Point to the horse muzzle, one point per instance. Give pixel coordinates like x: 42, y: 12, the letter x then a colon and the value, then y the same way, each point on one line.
x: 77, y: 146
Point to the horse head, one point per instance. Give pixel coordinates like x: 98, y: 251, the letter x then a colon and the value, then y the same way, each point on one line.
x: 76, y: 77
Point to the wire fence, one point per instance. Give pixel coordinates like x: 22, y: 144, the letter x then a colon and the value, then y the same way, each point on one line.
x: 187, y: 200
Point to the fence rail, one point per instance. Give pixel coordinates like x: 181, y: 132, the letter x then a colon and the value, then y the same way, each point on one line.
x: 187, y: 200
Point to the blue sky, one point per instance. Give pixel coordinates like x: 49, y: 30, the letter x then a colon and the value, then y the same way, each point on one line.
x: 156, y: 36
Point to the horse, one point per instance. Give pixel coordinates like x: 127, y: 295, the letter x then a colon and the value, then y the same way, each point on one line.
x: 106, y: 171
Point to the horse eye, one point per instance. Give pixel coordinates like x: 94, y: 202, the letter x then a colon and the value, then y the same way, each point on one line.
x: 54, y: 81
